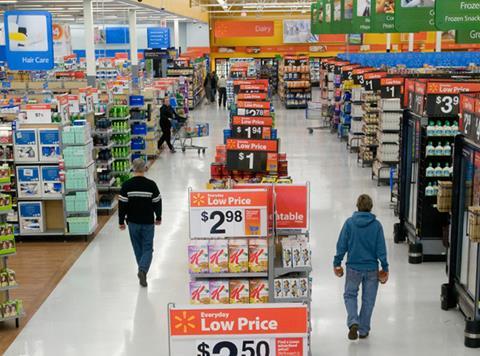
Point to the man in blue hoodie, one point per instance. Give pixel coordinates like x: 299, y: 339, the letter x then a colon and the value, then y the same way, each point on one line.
x: 363, y: 241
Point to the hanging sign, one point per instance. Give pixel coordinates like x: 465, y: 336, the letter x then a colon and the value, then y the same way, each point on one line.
x: 341, y: 20
x: 383, y: 16
x: 250, y: 155
x: 292, y: 206
x: 253, y: 330
x: 39, y: 113
x: 457, y: 14
x: 219, y: 214
x: 158, y: 37
x: 362, y: 11
x: 29, y: 40
x: 391, y: 88
x: 63, y: 107
x: 468, y: 123
x: 467, y: 36
x: 443, y: 99
x: 415, y: 15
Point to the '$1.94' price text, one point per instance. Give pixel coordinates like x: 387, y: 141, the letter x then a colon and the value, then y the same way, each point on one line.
x: 220, y: 217
x: 234, y: 348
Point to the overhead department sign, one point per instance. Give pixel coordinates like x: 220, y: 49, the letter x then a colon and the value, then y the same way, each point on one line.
x: 457, y: 14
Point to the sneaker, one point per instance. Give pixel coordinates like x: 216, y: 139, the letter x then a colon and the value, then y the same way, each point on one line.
x: 353, y: 333
x: 363, y: 336
x: 173, y: 151
x: 142, y: 278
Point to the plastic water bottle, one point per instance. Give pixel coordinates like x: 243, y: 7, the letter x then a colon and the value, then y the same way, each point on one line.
x: 430, y: 171
x: 430, y: 149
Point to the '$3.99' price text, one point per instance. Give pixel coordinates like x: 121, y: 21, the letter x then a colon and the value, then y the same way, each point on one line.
x: 220, y: 217
x: 230, y: 348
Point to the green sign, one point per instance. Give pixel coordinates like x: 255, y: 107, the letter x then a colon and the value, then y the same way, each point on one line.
x: 467, y: 36
x: 314, y: 23
x: 327, y: 16
x: 415, y: 15
x: 341, y: 17
x: 457, y: 14
x: 361, y: 19
x: 383, y: 16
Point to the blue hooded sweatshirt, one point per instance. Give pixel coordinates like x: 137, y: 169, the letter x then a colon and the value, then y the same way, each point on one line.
x: 362, y: 238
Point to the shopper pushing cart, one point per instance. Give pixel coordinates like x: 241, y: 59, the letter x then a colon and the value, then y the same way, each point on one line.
x: 167, y: 113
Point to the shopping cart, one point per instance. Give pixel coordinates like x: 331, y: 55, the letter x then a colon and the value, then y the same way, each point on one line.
x: 184, y: 133
x: 317, y: 111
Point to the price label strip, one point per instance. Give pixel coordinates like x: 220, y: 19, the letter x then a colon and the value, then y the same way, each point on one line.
x: 443, y: 99
x: 39, y: 113
x: 219, y: 214
x: 391, y: 88
x: 266, y: 330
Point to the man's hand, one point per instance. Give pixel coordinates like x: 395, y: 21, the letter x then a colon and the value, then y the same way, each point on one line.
x: 338, y: 271
x: 383, y: 277
x: 122, y: 227
x: 158, y: 222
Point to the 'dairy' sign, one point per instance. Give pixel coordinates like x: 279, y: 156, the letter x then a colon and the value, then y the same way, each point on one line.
x: 29, y: 40
x: 228, y: 29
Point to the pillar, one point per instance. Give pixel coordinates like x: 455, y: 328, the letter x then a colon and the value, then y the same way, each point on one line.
x: 132, y: 24
x: 389, y: 42
x: 438, y: 41
x: 89, y: 42
x: 411, y: 42
x: 176, y: 34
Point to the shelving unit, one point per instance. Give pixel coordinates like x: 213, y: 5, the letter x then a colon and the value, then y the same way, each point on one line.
x: 355, y: 135
x: 194, y: 73
x: 315, y: 63
x: 369, y: 144
x: 294, y: 82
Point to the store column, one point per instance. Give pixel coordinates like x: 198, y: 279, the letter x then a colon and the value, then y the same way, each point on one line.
x: 438, y: 41
x: 132, y: 23
x: 411, y: 42
x: 389, y: 42
x: 176, y: 34
x: 89, y: 43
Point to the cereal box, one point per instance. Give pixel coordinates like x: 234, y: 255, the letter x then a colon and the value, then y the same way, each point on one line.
x: 252, y: 222
x: 219, y: 292
x: 258, y: 291
x: 198, y: 257
x: 296, y: 254
x: 286, y: 288
x: 294, y: 288
x: 218, y: 256
x: 257, y: 255
x: 238, y: 256
x: 239, y: 291
x: 278, y: 289
x: 199, y: 292
x: 303, y: 287
x: 287, y: 253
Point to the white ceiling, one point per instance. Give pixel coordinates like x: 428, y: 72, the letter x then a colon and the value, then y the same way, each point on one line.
x: 105, y: 11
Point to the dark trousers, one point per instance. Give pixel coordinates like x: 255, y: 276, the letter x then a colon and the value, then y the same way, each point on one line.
x: 141, y: 237
x: 222, y: 97
x: 166, y: 137
x: 213, y: 94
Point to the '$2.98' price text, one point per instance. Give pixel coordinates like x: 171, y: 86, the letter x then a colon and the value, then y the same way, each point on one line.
x: 220, y: 217
x: 229, y: 348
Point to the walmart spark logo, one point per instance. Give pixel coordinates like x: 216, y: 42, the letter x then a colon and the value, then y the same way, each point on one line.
x: 198, y: 199
x: 184, y: 322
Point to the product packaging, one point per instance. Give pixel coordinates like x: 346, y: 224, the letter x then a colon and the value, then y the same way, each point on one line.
x: 26, y: 145
x: 303, y: 287
x: 199, y: 292
x: 287, y: 253
x: 31, y: 218
x: 29, y: 185
x: 258, y: 291
x: 287, y: 288
x: 239, y: 291
x: 49, y: 140
x: 219, y: 292
x: 257, y: 255
x: 198, y: 256
x: 51, y: 184
x: 252, y: 222
x: 238, y: 256
x: 278, y: 288
x: 218, y: 256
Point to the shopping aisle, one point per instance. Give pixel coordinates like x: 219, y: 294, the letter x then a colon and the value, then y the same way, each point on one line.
x: 99, y: 309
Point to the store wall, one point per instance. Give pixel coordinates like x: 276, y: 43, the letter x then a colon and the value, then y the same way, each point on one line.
x: 197, y: 35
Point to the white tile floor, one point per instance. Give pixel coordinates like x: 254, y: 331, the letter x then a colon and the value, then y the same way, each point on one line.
x: 99, y: 309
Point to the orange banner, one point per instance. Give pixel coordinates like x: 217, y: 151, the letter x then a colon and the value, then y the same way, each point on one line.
x: 218, y: 198
x: 451, y: 88
x: 238, y: 321
x: 253, y: 104
x: 252, y: 96
x: 228, y: 29
x: 252, y: 121
x: 252, y: 145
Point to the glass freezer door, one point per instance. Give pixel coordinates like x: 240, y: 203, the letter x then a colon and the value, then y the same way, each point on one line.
x: 412, y: 165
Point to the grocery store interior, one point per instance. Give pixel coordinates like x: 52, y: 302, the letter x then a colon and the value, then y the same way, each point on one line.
x: 260, y: 123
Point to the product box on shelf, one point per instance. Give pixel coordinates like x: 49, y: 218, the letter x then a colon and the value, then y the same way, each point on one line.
x: 26, y: 145
x: 29, y: 182
x: 198, y: 256
x: 82, y: 225
x: 257, y: 255
x: 51, y: 184
x: 258, y: 291
x: 7, y: 244
x: 5, y: 202
x: 239, y: 291
x: 49, y: 141
x: 238, y: 256
x: 31, y: 217
x: 219, y: 291
x: 218, y: 256
x: 199, y: 292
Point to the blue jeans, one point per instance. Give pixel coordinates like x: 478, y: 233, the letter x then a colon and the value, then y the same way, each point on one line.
x: 369, y: 282
x: 141, y: 236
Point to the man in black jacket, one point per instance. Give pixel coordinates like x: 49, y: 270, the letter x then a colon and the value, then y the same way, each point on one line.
x: 140, y: 205
x: 166, y: 114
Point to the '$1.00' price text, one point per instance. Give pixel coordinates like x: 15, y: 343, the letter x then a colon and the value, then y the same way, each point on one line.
x: 234, y: 348
x: 220, y: 217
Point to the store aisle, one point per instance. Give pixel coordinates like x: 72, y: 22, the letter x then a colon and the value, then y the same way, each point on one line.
x: 99, y: 309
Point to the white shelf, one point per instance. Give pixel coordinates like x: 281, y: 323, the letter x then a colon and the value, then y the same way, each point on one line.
x: 2, y: 289
x: 230, y: 275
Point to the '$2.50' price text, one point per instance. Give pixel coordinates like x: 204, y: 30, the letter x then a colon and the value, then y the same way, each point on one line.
x: 220, y: 217
x: 228, y: 348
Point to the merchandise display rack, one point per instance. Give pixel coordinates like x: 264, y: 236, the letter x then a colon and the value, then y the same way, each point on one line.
x: 294, y: 82
x: 369, y: 144
x: 194, y: 73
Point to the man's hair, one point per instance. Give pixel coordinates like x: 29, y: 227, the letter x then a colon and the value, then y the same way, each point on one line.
x: 139, y: 165
x: 364, y: 203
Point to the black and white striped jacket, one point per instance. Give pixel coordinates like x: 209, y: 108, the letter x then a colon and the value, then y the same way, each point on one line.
x: 140, y: 201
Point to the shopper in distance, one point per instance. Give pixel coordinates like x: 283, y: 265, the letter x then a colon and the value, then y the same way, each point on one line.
x: 167, y: 113
x: 140, y: 207
x: 363, y: 241
x: 222, y: 92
